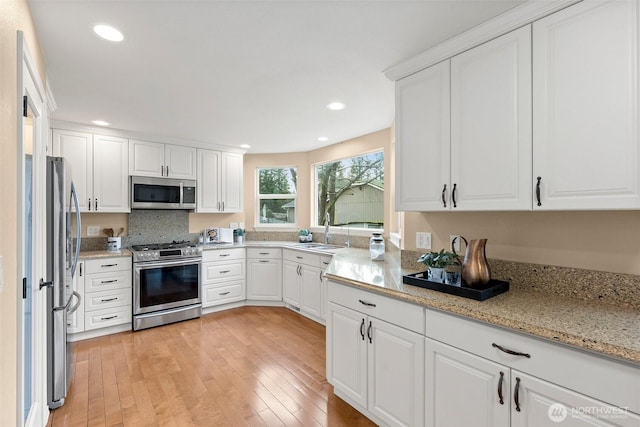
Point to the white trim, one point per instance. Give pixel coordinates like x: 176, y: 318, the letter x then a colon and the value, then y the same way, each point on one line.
x: 342, y: 231
x: 396, y: 240
x: 274, y: 227
x: 501, y: 24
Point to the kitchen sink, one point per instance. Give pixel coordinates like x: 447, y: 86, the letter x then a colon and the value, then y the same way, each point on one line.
x: 318, y: 246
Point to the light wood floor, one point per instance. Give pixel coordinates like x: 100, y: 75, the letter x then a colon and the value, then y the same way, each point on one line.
x: 256, y: 366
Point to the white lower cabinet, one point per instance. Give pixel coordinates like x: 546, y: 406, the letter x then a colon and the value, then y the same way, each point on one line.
x: 107, y: 292
x: 223, y: 276
x: 302, y: 282
x: 264, y: 274
x: 375, y: 365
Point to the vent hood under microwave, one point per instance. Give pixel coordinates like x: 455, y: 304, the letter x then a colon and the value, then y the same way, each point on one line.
x: 162, y: 193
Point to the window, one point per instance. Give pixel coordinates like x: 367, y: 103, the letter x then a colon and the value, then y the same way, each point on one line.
x: 351, y: 191
x: 277, y: 196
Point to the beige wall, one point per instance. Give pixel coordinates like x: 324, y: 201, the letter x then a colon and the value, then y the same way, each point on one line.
x: 305, y: 162
x: 14, y: 16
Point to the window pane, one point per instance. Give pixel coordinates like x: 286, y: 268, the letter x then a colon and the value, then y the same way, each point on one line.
x: 352, y: 191
x: 277, y: 180
x: 277, y: 211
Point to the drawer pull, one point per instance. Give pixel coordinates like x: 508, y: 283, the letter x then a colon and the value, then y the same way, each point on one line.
x: 109, y: 299
x: 265, y: 253
x: 299, y: 257
x: 109, y: 318
x: 369, y: 332
x: 515, y: 353
x: 362, y: 329
x: 516, y: 394
x: 224, y: 293
x: 325, y: 262
x: 500, y: 388
x: 108, y: 281
x: 225, y: 255
x: 109, y: 265
x: 538, y: 190
x: 224, y: 271
x: 368, y: 304
x: 264, y: 260
x: 444, y: 200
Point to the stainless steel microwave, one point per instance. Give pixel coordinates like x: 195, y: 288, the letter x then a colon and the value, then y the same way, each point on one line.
x: 162, y: 193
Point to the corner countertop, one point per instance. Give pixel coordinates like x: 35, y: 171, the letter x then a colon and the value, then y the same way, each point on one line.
x: 609, y: 330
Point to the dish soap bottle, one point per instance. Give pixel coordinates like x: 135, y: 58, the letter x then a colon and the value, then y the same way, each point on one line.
x: 376, y: 247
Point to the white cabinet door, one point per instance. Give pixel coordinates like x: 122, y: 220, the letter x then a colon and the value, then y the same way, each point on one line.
x: 542, y: 404
x: 310, y: 290
x: 208, y: 187
x: 110, y: 174
x: 264, y: 279
x: 146, y: 158
x: 180, y: 162
x: 77, y: 148
x: 347, y: 352
x: 491, y: 125
x: 291, y: 283
x: 231, y: 182
x: 396, y: 363
x: 585, y: 111
x: 423, y: 140
x: 324, y: 284
x: 463, y: 389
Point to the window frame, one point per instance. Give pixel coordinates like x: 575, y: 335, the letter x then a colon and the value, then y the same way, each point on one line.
x: 293, y: 196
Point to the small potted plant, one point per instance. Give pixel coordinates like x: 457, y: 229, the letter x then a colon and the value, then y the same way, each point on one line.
x: 305, y: 236
x: 437, y: 263
x: 240, y: 235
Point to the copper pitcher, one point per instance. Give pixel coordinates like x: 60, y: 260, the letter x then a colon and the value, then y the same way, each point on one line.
x: 475, y: 268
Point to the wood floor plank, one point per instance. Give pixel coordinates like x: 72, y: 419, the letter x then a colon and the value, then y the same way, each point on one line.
x: 250, y: 366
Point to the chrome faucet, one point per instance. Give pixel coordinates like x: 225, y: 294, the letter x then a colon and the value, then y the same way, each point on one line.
x: 326, y: 228
x: 348, y: 242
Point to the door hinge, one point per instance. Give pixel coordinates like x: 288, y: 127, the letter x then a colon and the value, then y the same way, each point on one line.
x: 25, y: 106
x: 24, y: 286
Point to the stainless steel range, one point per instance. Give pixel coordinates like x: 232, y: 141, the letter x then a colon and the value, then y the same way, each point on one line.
x: 166, y: 283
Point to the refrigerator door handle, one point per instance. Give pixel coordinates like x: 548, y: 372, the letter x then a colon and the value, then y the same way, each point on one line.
x: 74, y: 194
x: 77, y: 305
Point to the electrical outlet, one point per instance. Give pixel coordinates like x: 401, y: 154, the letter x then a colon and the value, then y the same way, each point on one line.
x: 423, y: 240
x: 456, y: 244
x: 93, y: 231
x: 233, y: 225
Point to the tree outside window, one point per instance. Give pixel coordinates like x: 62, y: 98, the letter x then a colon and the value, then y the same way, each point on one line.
x: 277, y: 188
x: 351, y: 191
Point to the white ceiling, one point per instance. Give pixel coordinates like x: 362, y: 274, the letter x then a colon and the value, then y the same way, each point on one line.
x: 241, y: 72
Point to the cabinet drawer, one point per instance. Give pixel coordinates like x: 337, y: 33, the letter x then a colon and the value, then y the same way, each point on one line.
x: 223, y: 271
x: 105, y: 265
x: 264, y: 253
x: 605, y: 379
x: 108, y: 317
x: 213, y: 295
x: 401, y: 313
x: 301, y: 257
x: 222, y: 254
x: 325, y: 261
x: 107, y: 281
x: 107, y: 299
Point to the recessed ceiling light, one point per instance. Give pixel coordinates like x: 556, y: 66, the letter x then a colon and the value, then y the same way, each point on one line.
x: 247, y: 146
x: 336, y: 106
x: 323, y: 138
x: 108, y: 32
x: 100, y: 122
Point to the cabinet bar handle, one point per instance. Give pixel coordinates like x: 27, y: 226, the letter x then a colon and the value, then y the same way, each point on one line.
x: 81, y: 264
x: 89, y: 203
x: 108, y: 318
x: 265, y: 253
x: 108, y: 299
x: 167, y: 170
x: 444, y: 200
x: 368, y: 304
x: 263, y: 260
x: 516, y: 394
x: 453, y: 195
x: 500, y: 388
x: 299, y: 257
x: 515, y: 353
x: 96, y: 205
x: 369, y: 332
x: 362, y: 329
x: 325, y: 262
x: 108, y: 265
x: 225, y: 255
x: 108, y: 281
x: 224, y: 271
x: 538, y: 190
x: 224, y: 293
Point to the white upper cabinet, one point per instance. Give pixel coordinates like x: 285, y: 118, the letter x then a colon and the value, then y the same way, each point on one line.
x: 423, y: 140
x: 491, y: 125
x: 220, y: 177
x: 585, y: 108
x: 165, y: 160
x: 99, y: 169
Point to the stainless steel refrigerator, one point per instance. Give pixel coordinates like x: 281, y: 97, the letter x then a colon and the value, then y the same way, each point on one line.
x: 63, y: 250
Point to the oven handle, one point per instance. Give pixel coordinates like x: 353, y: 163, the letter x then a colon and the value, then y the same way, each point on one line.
x: 168, y: 263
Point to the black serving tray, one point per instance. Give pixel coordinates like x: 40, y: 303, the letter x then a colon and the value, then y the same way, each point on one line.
x: 491, y: 289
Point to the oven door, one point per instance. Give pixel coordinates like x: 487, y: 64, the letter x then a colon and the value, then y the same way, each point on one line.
x: 162, y: 285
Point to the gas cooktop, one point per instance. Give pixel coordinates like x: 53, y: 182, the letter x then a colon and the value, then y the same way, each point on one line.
x: 158, y: 246
x: 169, y: 251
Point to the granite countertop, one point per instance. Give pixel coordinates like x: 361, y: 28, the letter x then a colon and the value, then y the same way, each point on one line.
x: 607, y: 329
x: 104, y: 254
